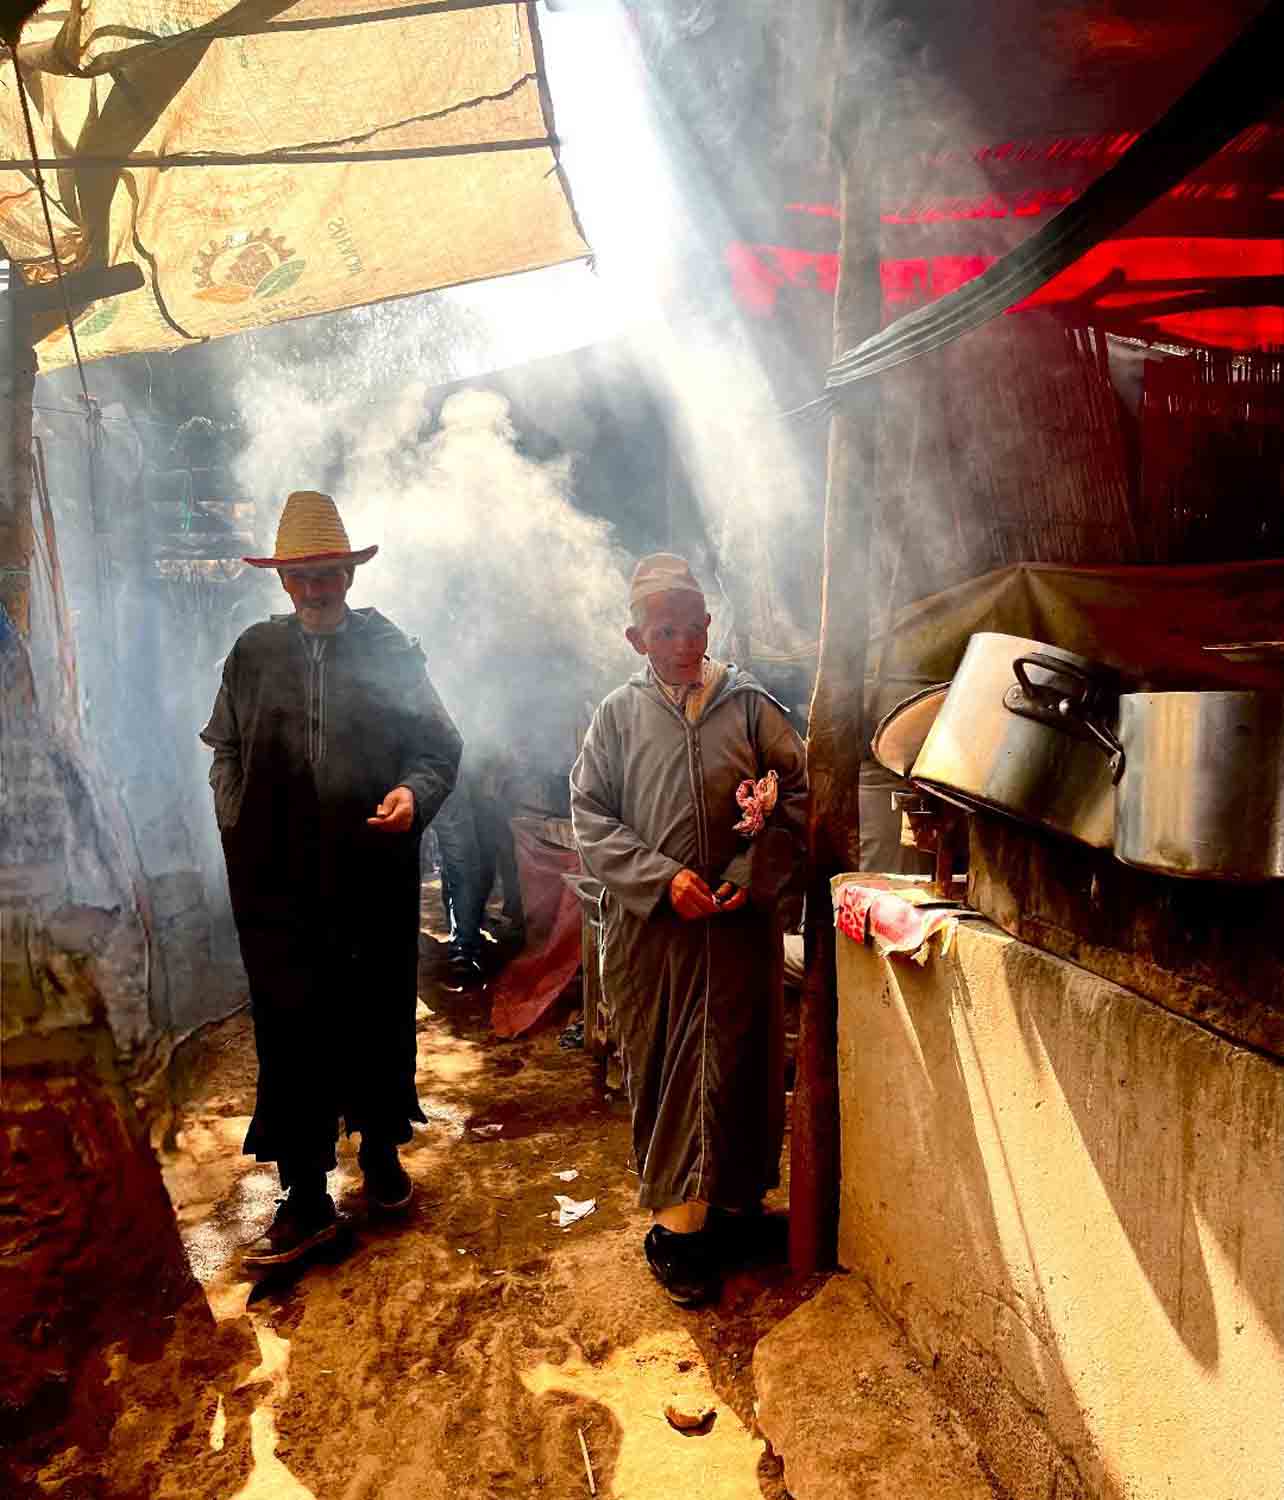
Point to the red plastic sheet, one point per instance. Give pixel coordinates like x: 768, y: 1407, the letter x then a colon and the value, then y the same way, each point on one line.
x: 530, y: 984
x: 1219, y: 291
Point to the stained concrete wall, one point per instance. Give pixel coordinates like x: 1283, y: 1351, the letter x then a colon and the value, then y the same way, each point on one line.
x: 1073, y: 1202
x: 90, y: 1255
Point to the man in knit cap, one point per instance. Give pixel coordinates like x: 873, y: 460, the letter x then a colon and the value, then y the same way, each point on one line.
x: 332, y: 752
x: 688, y: 805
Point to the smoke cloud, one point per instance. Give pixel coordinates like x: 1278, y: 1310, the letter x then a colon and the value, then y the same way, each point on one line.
x: 653, y: 200
x: 518, y: 598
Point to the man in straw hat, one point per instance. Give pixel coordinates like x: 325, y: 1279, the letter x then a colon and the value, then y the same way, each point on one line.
x: 688, y: 805
x: 332, y: 752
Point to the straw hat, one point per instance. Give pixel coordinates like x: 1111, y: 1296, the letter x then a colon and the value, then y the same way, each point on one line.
x: 310, y: 531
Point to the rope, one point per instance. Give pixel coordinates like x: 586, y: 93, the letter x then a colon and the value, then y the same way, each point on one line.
x: 44, y: 206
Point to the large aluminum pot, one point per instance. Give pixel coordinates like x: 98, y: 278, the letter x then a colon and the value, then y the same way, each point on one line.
x: 1026, y: 730
x: 1202, y: 794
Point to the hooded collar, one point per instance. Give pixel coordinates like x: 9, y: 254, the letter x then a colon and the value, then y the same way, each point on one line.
x: 354, y: 620
x: 736, y: 680
x: 692, y: 698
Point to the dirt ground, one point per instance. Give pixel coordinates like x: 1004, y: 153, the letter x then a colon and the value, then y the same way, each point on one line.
x: 464, y: 1348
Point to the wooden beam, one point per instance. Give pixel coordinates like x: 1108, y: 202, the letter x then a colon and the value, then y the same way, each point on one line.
x: 837, y: 732
x: 83, y: 287
x: 320, y: 156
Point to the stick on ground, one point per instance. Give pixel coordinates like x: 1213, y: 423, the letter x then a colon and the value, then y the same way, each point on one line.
x: 588, y: 1462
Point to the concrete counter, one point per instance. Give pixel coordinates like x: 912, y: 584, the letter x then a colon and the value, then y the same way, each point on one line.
x: 1073, y: 1202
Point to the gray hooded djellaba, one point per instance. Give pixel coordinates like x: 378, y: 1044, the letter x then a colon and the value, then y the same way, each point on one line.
x: 695, y: 1005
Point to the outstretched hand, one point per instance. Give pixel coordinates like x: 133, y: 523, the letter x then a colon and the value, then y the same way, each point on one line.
x: 396, y: 812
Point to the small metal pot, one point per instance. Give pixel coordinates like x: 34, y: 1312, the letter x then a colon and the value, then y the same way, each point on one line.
x: 1026, y: 730
x: 1202, y: 794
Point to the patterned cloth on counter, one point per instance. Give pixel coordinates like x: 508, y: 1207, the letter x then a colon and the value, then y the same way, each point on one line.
x: 890, y: 921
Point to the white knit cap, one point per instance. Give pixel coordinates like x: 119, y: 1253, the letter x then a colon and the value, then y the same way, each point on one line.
x: 662, y: 573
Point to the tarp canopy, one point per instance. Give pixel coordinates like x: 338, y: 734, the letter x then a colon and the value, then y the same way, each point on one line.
x: 265, y: 160
x: 1152, y: 624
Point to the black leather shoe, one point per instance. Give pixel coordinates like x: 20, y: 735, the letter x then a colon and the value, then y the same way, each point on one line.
x: 463, y: 973
x: 300, y: 1225
x: 506, y: 933
x: 754, y: 1237
x: 683, y: 1264
x: 388, y: 1184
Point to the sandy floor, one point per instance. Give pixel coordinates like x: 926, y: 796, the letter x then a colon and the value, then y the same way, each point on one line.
x: 463, y: 1350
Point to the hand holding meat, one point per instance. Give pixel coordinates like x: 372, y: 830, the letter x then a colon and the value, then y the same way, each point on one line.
x: 690, y: 897
x: 396, y: 812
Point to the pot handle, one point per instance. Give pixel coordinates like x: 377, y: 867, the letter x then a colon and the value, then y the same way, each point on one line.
x: 1042, y: 693
x: 1110, y: 746
x: 1050, y: 705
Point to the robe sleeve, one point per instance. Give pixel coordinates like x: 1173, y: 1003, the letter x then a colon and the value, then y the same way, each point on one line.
x: 779, y: 749
x: 635, y: 874
x: 223, y: 735
x: 782, y: 750
x: 431, y: 745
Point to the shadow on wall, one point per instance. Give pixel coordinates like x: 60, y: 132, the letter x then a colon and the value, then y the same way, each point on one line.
x: 1072, y: 1199
x: 1204, y: 1118
x: 932, y: 1215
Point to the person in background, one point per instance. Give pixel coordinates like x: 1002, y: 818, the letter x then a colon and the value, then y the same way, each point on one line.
x: 493, y: 808
x: 475, y: 843
x: 688, y: 804
x: 332, y: 753
x: 462, y: 893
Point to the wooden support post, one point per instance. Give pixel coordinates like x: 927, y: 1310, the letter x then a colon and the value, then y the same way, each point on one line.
x: 17, y: 382
x: 837, y: 731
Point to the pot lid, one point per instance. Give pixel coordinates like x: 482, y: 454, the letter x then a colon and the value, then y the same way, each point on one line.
x: 900, y: 735
x: 1254, y: 651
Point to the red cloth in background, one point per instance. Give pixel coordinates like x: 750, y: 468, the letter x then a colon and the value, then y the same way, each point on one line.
x: 530, y: 984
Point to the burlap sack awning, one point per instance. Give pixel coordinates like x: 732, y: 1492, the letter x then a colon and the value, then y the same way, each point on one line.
x: 265, y: 161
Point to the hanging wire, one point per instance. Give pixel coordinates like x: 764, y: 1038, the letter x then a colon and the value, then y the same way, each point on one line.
x: 189, y: 503
x: 133, y: 421
x: 44, y: 207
